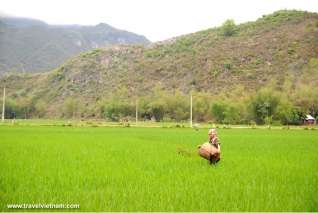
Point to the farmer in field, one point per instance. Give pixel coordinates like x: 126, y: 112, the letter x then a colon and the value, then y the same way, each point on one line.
x: 212, y: 149
x: 214, y: 141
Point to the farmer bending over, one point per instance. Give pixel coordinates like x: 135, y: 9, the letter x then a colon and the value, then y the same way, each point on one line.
x: 213, y: 140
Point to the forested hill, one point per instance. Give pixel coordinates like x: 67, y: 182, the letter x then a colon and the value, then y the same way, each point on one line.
x: 237, y: 73
x: 28, y: 45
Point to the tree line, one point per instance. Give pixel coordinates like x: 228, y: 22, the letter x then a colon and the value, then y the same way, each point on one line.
x: 266, y: 106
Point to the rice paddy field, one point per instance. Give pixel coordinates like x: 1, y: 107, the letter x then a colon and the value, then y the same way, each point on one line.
x: 158, y: 169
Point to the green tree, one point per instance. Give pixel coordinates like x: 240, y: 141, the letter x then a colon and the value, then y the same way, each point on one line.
x: 289, y: 115
x: 40, y: 108
x: 306, y: 99
x: 118, y: 109
x: 263, y: 105
x: 232, y: 114
x: 70, y: 107
x: 228, y: 28
x: 26, y: 107
x: 201, y: 106
x: 157, y: 109
x: 11, y: 109
x: 177, y: 105
x: 218, y: 111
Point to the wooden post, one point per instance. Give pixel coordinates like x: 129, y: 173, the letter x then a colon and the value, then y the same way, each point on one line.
x: 191, y: 109
x: 3, y: 103
x: 136, y: 111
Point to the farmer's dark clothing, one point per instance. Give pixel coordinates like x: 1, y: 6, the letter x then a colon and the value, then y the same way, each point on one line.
x: 214, y: 142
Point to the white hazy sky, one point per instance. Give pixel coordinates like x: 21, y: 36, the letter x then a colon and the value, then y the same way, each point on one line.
x: 156, y: 19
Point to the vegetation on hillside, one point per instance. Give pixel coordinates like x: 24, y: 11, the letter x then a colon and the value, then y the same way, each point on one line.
x: 264, y: 71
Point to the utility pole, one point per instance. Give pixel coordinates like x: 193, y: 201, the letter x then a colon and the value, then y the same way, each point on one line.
x: 23, y: 70
x: 136, y: 111
x: 191, y: 109
x: 3, y: 103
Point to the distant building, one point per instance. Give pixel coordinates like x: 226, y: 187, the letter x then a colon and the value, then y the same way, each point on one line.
x: 309, y: 120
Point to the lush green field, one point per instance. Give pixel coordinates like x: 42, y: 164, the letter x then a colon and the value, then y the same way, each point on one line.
x: 157, y: 169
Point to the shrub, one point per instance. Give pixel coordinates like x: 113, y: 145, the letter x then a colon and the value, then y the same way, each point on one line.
x: 118, y: 109
x: 228, y: 66
x: 263, y: 105
x: 228, y: 28
x: 70, y: 107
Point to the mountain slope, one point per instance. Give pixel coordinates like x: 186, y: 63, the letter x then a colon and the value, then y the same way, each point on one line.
x: 28, y: 45
x: 280, y: 48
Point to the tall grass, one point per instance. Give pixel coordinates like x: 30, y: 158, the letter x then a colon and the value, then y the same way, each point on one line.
x: 157, y: 169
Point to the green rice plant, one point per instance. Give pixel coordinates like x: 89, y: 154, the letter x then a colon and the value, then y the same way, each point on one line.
x: 158, y: 169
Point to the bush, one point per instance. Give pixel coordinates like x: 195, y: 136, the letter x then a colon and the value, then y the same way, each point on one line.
x: 217, y: 111
x: 70, y: 108
x: 228, y: 28
x: 118, y: 109
x: 227, y: 113
x: 289, y: 115
x: 228, y: 66
x: 263, y: 106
